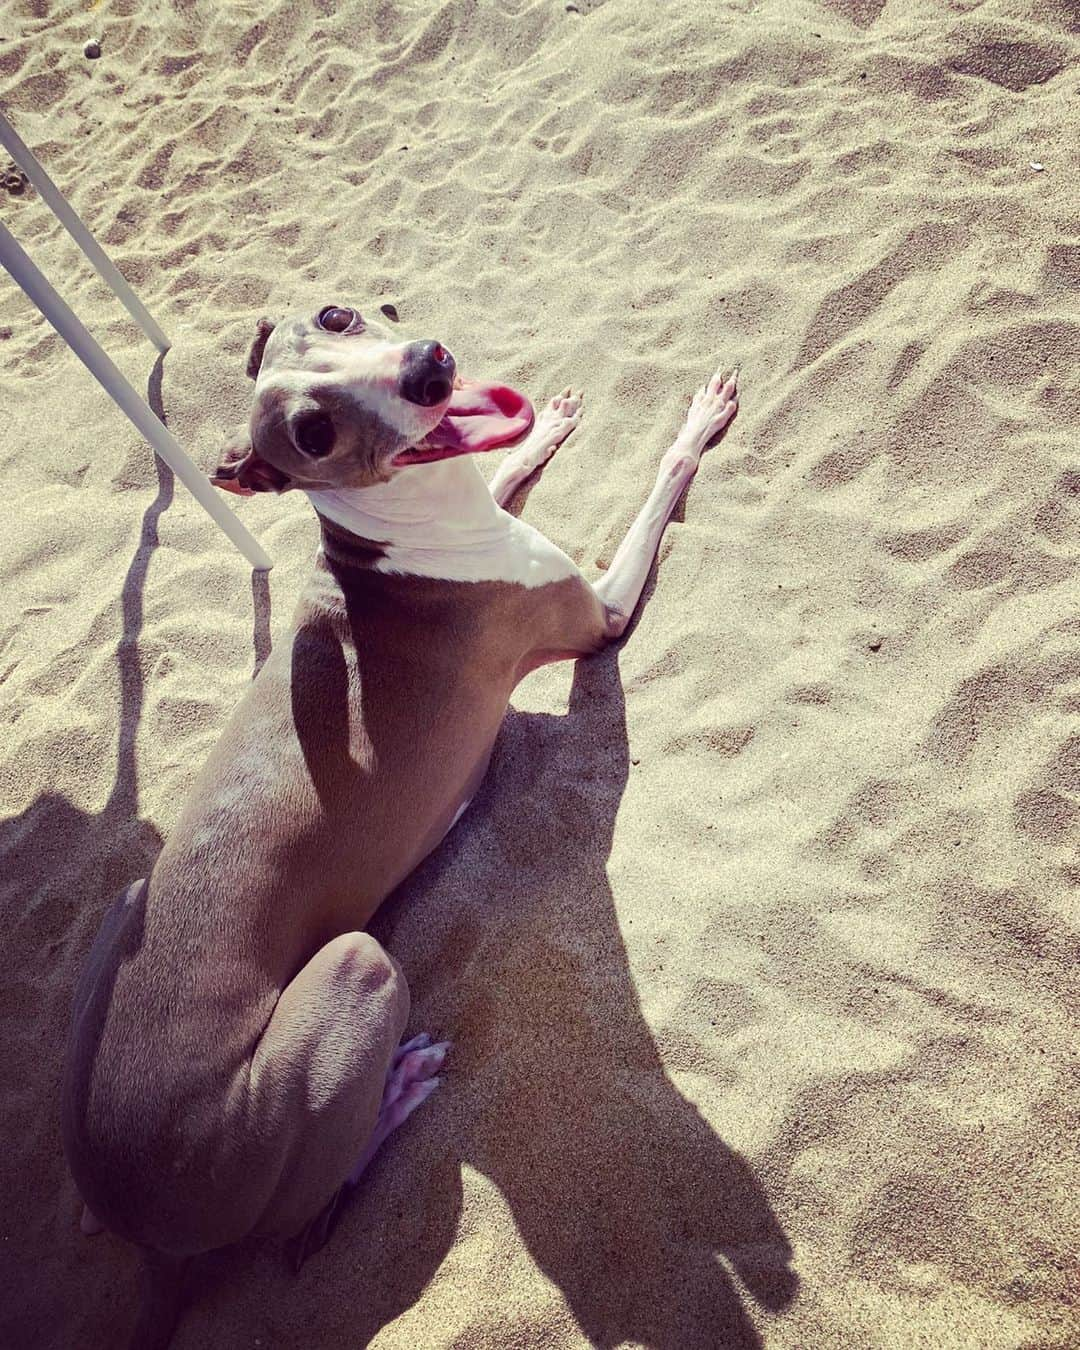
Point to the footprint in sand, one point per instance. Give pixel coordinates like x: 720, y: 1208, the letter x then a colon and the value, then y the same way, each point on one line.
x: 14, y: 180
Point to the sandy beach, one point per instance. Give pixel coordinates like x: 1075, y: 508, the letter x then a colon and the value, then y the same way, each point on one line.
x: 760, y: 946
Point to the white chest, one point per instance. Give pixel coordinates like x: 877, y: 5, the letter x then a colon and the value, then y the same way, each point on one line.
x: 440, y: 520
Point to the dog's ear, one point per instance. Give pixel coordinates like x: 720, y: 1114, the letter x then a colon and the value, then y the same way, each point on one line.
x: 243, y: 472
x: 263, y: 329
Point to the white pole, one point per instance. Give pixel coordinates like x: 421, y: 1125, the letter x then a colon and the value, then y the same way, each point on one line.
x: 50, y: 193
x: 91, y: 354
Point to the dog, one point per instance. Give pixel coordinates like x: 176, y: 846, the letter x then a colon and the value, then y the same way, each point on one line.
x: 236, y: 1051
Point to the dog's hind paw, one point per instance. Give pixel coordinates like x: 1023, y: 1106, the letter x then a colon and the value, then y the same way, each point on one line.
x: 411, y: 1081
x: 415, y: 1061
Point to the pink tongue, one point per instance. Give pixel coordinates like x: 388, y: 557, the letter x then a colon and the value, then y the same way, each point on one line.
x: 480, y: 417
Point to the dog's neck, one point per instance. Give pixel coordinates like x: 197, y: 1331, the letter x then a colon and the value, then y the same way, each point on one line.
x: 445, y: 505
x: 440, y: 520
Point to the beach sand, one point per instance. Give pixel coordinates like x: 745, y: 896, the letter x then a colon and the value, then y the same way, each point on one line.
x: 759, y: 947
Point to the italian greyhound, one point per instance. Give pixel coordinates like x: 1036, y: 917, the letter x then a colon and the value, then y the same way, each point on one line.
x: 236, y: 1055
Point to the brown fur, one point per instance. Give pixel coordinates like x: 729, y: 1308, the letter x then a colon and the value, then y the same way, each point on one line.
x: 309, y: 810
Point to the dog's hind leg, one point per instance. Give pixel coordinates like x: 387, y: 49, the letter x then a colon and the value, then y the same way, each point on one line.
x: 410, y: 1082
x: 552, y: 426
x: 322, y: 1073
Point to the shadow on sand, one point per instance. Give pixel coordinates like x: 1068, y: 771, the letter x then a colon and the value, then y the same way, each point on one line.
x: 626, y: 1198
x: 52, y: 825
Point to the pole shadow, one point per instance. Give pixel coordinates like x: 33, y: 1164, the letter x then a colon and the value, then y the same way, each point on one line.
x: 52, y: 824
x: 86, y: 857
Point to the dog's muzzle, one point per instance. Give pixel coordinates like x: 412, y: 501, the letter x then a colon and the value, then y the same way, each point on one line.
x: 427, y: 374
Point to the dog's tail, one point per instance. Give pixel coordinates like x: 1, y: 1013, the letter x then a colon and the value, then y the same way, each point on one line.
x: 162, y: 1292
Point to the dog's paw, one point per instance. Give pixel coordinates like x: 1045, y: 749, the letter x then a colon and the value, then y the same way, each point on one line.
x: 554, y: 422
x: 414, y: 1061
x: 711, y: 409
x: 412, y: 1078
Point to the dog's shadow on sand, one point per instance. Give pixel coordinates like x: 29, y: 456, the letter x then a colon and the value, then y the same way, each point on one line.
x: 655, y: 1232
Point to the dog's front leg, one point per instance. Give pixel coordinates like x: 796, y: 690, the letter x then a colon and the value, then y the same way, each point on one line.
x: 713, y: 406
x: 552, y: 426
x: 585, y: 617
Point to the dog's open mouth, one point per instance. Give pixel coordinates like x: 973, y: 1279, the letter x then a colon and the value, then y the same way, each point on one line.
x: 479, y: 417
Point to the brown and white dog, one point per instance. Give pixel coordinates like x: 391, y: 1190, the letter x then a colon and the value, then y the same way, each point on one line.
x: 235, y: 1057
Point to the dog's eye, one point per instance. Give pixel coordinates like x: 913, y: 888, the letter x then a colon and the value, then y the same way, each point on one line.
x: 314, y: 434
x: 338, y: 319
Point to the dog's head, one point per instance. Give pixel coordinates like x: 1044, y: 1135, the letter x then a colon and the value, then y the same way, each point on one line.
x: 340, y: 403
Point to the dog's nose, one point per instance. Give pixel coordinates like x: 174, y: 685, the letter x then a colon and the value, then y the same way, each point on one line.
x: 427, y: 374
